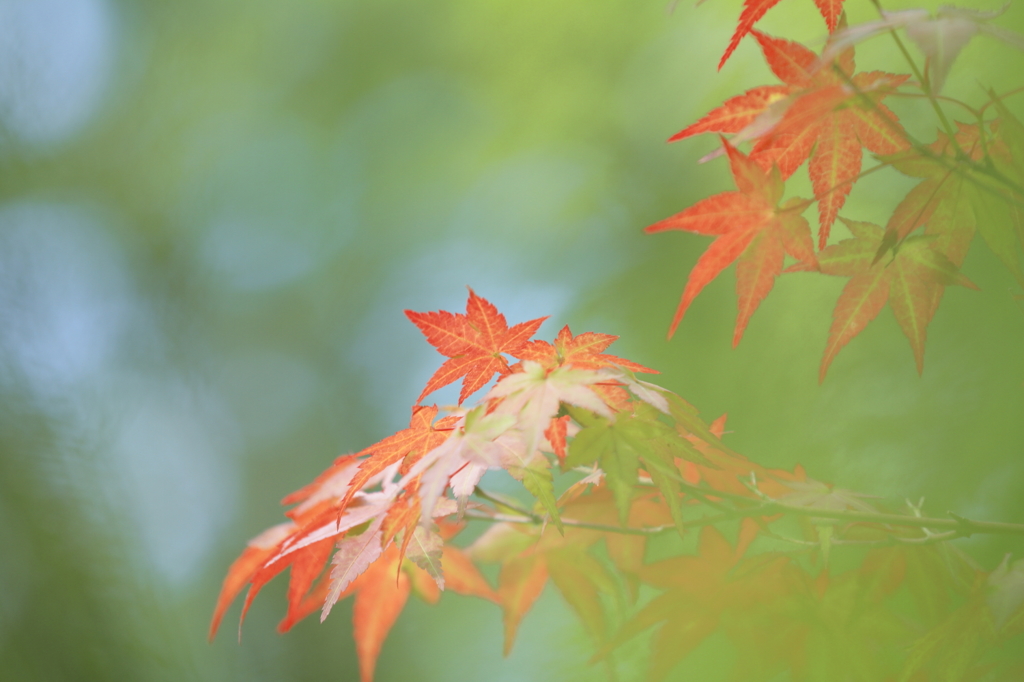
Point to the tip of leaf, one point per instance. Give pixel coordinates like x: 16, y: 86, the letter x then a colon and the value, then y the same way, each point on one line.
x: 822, y: 372
x: 738, y: 334
x: 680, y: 311
x: 733, y: 43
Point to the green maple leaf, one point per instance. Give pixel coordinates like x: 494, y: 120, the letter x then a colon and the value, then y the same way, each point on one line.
x: 615, y: 445
x: 911, y: 280
x: 955, y: 200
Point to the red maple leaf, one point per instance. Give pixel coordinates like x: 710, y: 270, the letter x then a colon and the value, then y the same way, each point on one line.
x: 834, y: 113
x: 406, y: 446
x: 474, y: 343
x: 582, y: 352
x: 751, y: 228
x: 912, y: 281
x: 818, y: 113
x: 753, y: 10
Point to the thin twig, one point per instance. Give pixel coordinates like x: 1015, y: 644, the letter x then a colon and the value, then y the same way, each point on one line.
x: 509, y: 504
x: 532, y: 520
x: 957, y: 525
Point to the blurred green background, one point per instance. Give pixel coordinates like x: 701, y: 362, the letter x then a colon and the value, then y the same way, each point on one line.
x: 212, y: 214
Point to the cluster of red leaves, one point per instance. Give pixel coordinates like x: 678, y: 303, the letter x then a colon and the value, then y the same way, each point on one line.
x: 825, y: 113
x: 319, y: 524
x: 373, y: 526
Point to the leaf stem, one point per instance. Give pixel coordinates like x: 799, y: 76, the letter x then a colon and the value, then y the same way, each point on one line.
x: 533, y: 520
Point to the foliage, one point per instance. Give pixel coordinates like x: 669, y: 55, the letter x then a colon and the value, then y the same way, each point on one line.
x: 663, y: 529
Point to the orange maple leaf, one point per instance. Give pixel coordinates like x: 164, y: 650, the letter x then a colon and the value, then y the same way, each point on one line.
x: 825, y: 114
x: 834, y: 113
x: 406, y: 446
x: 259, y: 550
x: 751, y: 228
x: 379, y: 600
x: 582, y: 352
x: 474, y: 343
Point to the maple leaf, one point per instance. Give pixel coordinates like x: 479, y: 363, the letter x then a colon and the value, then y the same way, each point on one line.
x: 353, y: 556
x: 379, y: 598
x: 833, y: 114
x: 753, y: 10
x: 257, y: 552
x: 619, y: 447
x: 751, y: 228
x: 476, y: 442
x: 581, y: 579
x: 556, y: 433
x: 953, y: 203
x: 698, y: 593
x: 582, y: 352
x: 426, y: 549
x: 820, y: 113
x: 365, y: 563
x: 911, y: 282
x: 534, y: 395
x: 406, y: 446
x: 942, y: 201
x: 304, y: 544
x: 529, y: 556
x: 474, y: 344
x: 519, y: 584
x: 737, y: 112
x: 463, y: 577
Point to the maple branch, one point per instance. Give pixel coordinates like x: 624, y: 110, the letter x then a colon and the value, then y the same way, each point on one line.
x: 960, y: 526
x: 928, y: 539
x: 765, y: 506
x: 957, y: 526
x: 534, y: 520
